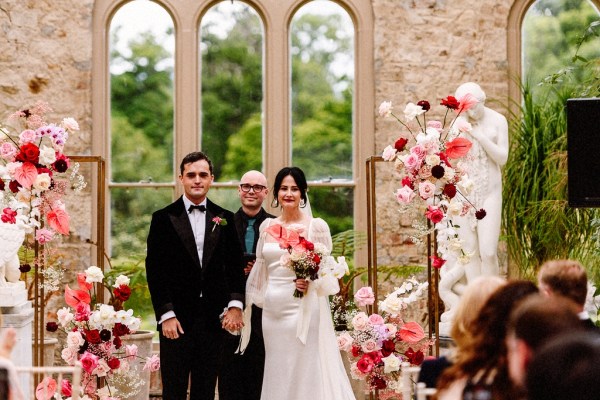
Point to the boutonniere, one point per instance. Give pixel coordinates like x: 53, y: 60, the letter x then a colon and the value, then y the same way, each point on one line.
x: 218, y: 221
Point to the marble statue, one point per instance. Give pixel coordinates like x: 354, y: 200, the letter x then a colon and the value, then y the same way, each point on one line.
x: 11, y: 239
x: 480, y: 237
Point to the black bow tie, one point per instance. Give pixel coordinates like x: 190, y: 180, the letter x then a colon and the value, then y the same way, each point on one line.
x: 193, y: 207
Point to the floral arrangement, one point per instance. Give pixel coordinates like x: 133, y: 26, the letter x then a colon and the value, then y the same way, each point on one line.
x: 308, y: 260
x: 433, y: 170
x: 377, y: 344
x: 33, y: 173
x: 94, y: 337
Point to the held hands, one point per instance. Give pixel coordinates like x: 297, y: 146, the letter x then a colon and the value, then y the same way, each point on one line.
x: 301, y: 285
x: 248, y: 267
x: 171, y: 328
x: 233, y: 320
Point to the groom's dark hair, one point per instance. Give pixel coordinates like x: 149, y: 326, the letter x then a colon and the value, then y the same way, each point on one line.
x: 193, y: 157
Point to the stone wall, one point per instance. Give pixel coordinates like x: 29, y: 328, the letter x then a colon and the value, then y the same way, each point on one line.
x: 424, y: 49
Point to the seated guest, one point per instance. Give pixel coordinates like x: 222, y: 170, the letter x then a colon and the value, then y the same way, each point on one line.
x: 566, y: 278
x: 565, y: 369
x: 471, y: 301
x: 480, y: 370
x: 533, y: 323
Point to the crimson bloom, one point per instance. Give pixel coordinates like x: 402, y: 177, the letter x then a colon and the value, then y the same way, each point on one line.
x: 450, y: 102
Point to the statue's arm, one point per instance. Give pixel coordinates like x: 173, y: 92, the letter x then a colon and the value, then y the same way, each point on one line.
x: 497, y: 150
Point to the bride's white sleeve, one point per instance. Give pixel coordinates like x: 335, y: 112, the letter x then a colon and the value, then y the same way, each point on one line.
x: 256, y: 286
x: 320, y: 233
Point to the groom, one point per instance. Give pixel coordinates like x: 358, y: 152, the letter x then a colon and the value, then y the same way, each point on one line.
x: 195, y: 272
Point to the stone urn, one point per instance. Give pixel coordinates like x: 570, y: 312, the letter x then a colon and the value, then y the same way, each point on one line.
x: 143, y: 341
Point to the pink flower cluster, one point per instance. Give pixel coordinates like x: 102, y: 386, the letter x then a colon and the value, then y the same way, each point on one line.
x: 378, y: 344
x: 95, y: 331
x: 33, y: 172
x: 430, y: 169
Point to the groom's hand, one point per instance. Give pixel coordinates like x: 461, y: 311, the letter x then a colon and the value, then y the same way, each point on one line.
x: 233, y: 319
x: 171, y: 328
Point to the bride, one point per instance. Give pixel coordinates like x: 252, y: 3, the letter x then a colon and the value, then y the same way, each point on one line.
x: 302, y: 360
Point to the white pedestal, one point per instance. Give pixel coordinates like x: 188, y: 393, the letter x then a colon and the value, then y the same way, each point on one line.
x: 20, y: 318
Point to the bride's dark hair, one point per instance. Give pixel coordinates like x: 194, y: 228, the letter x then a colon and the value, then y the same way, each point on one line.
x: 300, y: 179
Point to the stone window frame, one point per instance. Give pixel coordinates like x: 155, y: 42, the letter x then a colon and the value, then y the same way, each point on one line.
x: 276, y: 17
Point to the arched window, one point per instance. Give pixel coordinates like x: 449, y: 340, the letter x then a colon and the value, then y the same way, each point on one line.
x: 542, y: 36
x: 275, y: 133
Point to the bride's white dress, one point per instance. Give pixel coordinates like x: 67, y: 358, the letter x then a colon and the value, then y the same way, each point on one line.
x: 294, y: 370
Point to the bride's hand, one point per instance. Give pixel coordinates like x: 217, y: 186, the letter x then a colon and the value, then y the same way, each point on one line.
x: 301, y: 285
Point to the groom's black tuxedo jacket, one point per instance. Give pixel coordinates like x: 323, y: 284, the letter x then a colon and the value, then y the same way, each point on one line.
x: 176, y: 279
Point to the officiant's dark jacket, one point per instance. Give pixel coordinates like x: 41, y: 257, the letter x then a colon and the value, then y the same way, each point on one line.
x: 176, y: 279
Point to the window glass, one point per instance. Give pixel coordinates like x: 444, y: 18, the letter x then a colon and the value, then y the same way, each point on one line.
x: 322, y: 59
x: 231, y: 47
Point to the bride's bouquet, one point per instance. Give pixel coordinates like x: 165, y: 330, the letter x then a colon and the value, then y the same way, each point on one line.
x: 308, y: 260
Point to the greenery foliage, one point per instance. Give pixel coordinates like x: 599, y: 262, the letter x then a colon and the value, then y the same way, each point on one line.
x: 538, y: 222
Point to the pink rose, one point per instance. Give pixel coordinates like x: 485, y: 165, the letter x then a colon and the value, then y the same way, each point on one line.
x: 8, y: 151
x: 405, y: 194
x: 364, y: 296
x: 345, y: 342
x: 89, y: 362
x: 27, y: 136
x: 376, y: 319
x: 102, y: 368
x: 365, y: 364
x: 389, y: 153
x: 411, y: 162
x: 435, y: 125
x: 385, y: 108
x: 434, y: 214
x: 418, y: 151
x: 69, y: 354
x: 360, y: 322
x: 152, y: 363
x: 426, y: 190
x: 369, y: 346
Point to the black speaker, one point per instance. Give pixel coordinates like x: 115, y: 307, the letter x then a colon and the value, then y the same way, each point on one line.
x: 583, y: 152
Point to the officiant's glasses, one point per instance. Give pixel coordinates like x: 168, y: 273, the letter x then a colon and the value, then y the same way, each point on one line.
x: 257, y: 188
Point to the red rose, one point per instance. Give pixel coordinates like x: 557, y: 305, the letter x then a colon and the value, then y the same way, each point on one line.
x: 437, y: 262
x: 424, y: 105
x: 14, y: 186
x: 51, y: 326
x: 450, y: 190
x: 365, y: 365
x: 450, y: 102
x: 414, y: 357
x: 400, y: 144
x: 9, y: 216
x: 316, y: 258
x: 387, y: 347
x: 406, y: 181
x: 117, y: 342
x: 29, y: 153
x: 62, y: 163
x: 1, y: 184
x: 114, y: 363
x: 308, y: 245
x: 122, y: 292
x: 480, y: 214
x: 120, y: 329
x: 93, y: 336
x: 434, y: 214
x: 356, y: 351
x: 65, y: 388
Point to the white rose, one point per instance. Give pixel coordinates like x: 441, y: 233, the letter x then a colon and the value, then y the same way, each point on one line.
x: 389, y: 153
x: 385, y: 109
x: 121, y: 280
x: 391, y: 363
x: 42, y: 182
x: 70, y: 124
x: 102, y: 369
x: 412, y: 110
x: 64, y: 316
x: 392, y: 305
x: 74, y: 339
x: 69, y: 355
x: 93, y: 274
x: 454, y: 208
x: 432, y: 159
